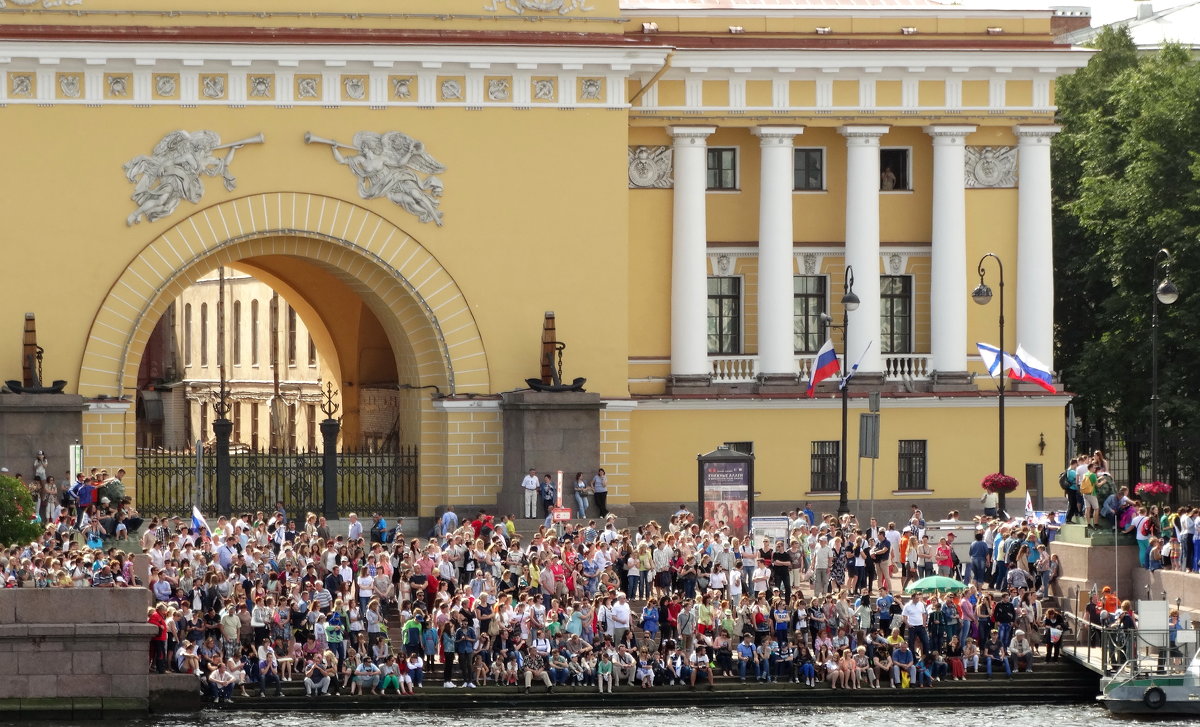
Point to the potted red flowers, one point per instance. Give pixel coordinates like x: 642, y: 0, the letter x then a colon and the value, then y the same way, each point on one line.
x: 999, y: 483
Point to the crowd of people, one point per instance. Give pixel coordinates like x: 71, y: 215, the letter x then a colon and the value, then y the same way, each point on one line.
x: 262, y: 599
x: 1166, y: 537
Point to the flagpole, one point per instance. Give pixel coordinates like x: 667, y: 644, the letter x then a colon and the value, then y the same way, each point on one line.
x: 849, y: 303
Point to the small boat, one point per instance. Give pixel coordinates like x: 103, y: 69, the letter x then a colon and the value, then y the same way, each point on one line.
x: 1137, y: 689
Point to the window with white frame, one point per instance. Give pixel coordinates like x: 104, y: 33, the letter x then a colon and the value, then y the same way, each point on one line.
x: 895, y: 169
x: 808, y: 171
x: 722, y: 168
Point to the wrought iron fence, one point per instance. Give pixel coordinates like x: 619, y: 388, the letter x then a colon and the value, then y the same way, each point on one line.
x: 384, y: 482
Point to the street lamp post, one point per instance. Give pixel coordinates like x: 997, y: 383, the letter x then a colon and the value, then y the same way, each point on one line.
x: 849, y: 302
x: 983, y: 295
x: 1166, y: 293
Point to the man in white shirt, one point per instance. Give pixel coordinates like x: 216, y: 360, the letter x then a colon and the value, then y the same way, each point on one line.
x: 914, y: 617
x: 530, y: 486
x: 619, y: 614
x: 355, y: 528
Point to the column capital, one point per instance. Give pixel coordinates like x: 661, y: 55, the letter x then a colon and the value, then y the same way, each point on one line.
x: 1036, y: 133
x: 866, y: 135
x: 690, y: 134
x: 949, y: 134
x: 776, y: 135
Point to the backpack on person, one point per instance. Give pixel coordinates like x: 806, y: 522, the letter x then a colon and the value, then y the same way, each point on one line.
x: 1064, y: 481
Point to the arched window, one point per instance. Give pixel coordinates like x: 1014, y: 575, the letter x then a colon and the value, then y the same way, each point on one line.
x: 204, y: 334
x: 237, y: 333
x: 254, y: 332
x: 187, y: 334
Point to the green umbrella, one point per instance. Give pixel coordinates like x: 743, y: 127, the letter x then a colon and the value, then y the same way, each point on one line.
x: 932, y: 584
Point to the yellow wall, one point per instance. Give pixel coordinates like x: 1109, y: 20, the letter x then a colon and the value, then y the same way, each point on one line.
x: 961, y: 447
x: 491, y: 241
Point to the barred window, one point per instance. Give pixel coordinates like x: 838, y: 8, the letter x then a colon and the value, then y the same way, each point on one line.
x: 825, y: 466
x: 911, y: 474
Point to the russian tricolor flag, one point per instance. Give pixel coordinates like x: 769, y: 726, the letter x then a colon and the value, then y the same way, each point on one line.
x: 825, y: 366
x: 1033, y: 371
x: 1020, y: 367
x: 198, y: 521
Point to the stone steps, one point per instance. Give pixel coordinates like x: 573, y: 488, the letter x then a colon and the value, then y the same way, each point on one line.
x: 1056, y: 684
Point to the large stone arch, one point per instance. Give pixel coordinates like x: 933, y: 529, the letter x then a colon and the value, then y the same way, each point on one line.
x: 434, y: 335
x: 368, y: 252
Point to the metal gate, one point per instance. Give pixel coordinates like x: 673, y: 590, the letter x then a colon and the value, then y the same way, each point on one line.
x: 367, y: 482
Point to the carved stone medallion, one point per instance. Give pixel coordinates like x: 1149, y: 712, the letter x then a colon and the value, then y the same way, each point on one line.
x: 21, y: 84
x: 498, y: 89
x: 451, y: 90
x: 356, y: 87
x: 589, y: 89
x: 260, y: 86
x: 991, y: 166
x: 306, y: 88
x: 543, y: 89
x: 69, y: 85
x: 402, y: 87
x: 118, y: 85
x: 213, y: 86
x: 164, y: 85
x: 650, y: 167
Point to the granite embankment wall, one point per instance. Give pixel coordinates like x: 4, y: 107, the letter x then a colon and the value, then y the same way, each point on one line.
x: 74, y: 653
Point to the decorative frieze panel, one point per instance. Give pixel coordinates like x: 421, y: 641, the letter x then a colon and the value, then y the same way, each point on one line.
x: 992, y: 167
x: 650, y: 167
x: 520, y: 7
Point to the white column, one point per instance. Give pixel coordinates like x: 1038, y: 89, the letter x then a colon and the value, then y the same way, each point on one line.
x: 776, y: 348
x: 948, y: 284
x: 1035, y: 244
x: 689, y: 263
x: 862, y: 242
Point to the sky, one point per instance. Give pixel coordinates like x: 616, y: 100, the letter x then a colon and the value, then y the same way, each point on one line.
x: 1103, y: 11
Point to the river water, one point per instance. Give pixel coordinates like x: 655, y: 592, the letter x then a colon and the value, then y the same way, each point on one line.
x: 1065, y: 716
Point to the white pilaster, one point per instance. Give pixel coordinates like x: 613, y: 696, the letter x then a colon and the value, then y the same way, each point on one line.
x: 689, y: 243
x: 862, y: 242
x: 776, y: 352
x: 1035, y: 244
x: 948, y: 285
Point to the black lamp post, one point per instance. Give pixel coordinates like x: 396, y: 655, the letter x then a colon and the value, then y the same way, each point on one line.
x: 983, y: 295
x: 1166, y: 293
x: 849, y: 302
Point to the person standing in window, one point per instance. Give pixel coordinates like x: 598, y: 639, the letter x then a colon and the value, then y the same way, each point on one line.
x: 887, y: 179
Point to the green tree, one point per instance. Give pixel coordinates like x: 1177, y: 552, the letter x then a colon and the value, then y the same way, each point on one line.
x: 1126, y: 184
x: 16, y: 513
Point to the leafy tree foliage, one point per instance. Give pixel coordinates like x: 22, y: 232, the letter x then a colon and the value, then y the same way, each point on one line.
x: 1127, y: 182
x: 17, y: 513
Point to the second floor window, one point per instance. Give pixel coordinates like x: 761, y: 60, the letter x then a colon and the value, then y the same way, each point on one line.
x: 724, y: 315
x: 808, y: 303
x: 722, y: 168
x: 895, y: 313
x: 809, y: 171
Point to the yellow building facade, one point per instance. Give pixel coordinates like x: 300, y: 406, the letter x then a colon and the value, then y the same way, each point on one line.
x: 682, y: 182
